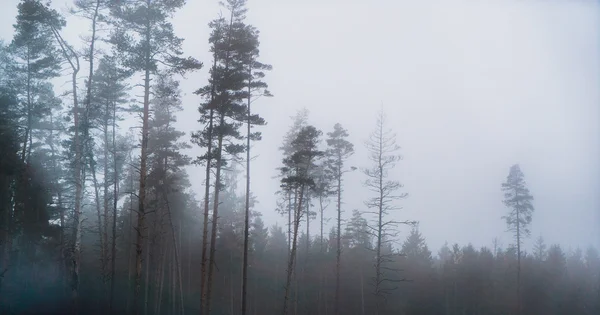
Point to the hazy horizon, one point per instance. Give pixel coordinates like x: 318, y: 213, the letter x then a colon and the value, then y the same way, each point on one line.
x: 470, y: 88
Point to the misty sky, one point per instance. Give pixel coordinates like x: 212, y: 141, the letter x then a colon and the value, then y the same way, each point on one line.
x: 470, y: 87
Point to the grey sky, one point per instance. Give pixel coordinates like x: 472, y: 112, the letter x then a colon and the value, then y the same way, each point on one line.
x: 470, y: 87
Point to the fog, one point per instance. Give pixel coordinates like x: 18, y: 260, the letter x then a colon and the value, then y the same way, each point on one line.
x: 469, y: 87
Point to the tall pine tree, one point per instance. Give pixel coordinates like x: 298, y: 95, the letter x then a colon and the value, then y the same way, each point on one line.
x: 518, y: 199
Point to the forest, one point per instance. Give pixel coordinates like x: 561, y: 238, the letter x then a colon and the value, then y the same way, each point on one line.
x: 99, y: 217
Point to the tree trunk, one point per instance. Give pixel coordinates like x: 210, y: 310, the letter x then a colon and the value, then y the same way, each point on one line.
x: 162, y: 278
x: 338, y: 241
x: 518, y: 262
x: 362, y: 292
x: 73, y: 60
x: 292, y: 255
x: 321, y: 210
x: 231, y: 308
x: 113, y: 249
x: 215, y: 217
x: 99, y: 214
x: 105, y: 199
x: 173, y: 279
x: 76, y: 237
x: 62, y: 258
x: 247, y: 210
x: 378, y: 258
x: 207, y: 194
x: 129, y: 242
x: 146, y: 281
x: 161, y: 249
x: 24, y: 157
x: 143, y: 160
x: 290, y: 211
x: 189, y: 259
x: 178, y: 266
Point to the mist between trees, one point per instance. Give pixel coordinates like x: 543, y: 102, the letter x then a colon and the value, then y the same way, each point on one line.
x: 99, y: 218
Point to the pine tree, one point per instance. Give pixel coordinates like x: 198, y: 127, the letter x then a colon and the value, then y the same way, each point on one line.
x: 297, y: 176
x: 144, y: 39
x: 205, y: 139
x: 36, y: 61
x: 338, y: 152
x: 299, y: 120
x: 518, y: 198
x: 234, y: 47
x: 109, y: 96
x: 255, y: 88
x: 166, y: 174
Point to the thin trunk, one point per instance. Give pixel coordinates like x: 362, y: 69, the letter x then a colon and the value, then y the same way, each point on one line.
x: 146, y: 281
x: 378, y: 262
x: 290, y: 211
x: 319, y: 297
x: 180, y: 269
x: 338, y: 239
x: 178, y: 266
x: 88, y: 100
x: 319, y: 293
x: 207, y: 194
x: 296, y: 290
x: 247, y: 210
x: 113, y: 249
x: 518, y: 263
x: 156, y: 276
x: 162, y: 278
x: 305, y: 267
x: 173, y: 290
x: 307, y: 226
x: 321, y: 210
x: 73, y: 60
x: 143, y: 171
x: 129, y: 242
x: 189, y: 260
x: 99, y: 214
x: 106, y: 189
x: 215, y: 217
x: 28, y: 127
x: 76, y: 237
x: 292, y: 256
x: 231, y: 283
x: 362, y: 292
x: 62, y: 258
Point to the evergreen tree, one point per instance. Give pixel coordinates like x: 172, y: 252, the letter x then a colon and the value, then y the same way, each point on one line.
x: 539, y: 249
x: 339, y: 150
x: 144, y: 39
x: 296, y: 176
x: 518, y: 199
x: 37, y: 60
x: 255, y: 88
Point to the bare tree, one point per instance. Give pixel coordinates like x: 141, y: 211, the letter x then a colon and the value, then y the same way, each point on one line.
x: 382, y: 149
